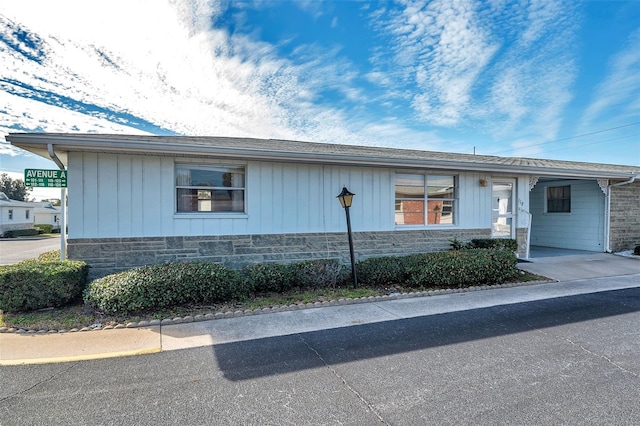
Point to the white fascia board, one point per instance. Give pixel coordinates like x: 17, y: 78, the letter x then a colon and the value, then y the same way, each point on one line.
x: 37, y: 143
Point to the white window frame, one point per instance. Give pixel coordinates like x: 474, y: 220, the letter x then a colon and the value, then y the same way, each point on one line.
x: 210, y: 166
x: 425, y: 200
x: 546, y: 200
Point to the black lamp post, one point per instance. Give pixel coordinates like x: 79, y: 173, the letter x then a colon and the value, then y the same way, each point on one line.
x: 345, y: 198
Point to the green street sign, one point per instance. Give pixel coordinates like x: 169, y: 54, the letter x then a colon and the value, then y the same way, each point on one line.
x: 45, y: 178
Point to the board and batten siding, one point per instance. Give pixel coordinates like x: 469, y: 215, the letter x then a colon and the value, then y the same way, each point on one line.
x: 582, y: 229
x: 121, y: 196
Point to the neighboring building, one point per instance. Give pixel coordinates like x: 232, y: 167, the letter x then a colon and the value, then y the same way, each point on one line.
x: 15, y: 215
x: 137, y: 200
x: 47, y: 214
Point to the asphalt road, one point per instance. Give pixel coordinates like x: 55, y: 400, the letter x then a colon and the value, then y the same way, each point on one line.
x: 571, y: 360
x: 14, y: 250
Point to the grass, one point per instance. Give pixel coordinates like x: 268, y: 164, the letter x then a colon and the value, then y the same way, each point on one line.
x: 78, y: 315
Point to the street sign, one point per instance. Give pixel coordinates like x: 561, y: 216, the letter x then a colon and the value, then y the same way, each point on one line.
x: 42, y: 178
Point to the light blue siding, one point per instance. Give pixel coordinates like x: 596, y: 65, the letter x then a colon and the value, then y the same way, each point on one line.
x: 114, y: 196
x: 582, y: 229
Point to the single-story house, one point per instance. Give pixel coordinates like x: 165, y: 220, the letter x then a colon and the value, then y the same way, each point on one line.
x: 46, y: 213
x: 137, y: 200
x: 15, y: 215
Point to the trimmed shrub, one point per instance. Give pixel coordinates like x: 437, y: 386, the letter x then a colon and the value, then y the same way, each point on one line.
x: 464, y: 268
x: 381, y: 271
x: 21, y: 233
x: 321, y: 273
x: 49, y: 256
x: 495, y: 243
x: 162, y: 285
x: 268, y: 277
x: 32, y: 284
x: 44, y: 228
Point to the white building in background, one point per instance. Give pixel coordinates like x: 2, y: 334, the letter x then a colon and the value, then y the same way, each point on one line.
x: 15, y: 215
x: 46, y: 213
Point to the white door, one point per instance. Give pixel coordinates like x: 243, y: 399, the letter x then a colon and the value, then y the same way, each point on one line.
x: 502, y: 215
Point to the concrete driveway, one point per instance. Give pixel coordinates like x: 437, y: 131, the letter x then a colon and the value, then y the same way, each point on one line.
x: 14, y: 250
x: 582, y: 266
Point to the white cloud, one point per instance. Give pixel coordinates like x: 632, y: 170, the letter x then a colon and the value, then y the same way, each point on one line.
x: 443, y: 47
x: 621, y: 87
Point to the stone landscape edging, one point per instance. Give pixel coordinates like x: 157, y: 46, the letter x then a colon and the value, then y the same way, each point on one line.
x: 269, y: 310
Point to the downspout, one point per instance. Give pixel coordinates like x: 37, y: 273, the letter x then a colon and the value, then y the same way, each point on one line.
x: 54, y: 157
x: 63, y: 204
x: 607, y: 232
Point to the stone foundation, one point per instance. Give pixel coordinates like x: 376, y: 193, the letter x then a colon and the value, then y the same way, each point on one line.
x: 109, y: 255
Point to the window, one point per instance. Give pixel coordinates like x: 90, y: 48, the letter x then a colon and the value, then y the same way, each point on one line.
x: 10, y: 214
x: 424, y: 199
x: 559, y: 199
x: 26, y: 214
x: 201, y: 188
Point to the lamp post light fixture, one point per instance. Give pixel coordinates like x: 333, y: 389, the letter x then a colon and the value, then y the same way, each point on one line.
x: 345, y: 198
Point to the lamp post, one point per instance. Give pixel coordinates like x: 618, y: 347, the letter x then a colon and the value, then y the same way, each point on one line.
x: 345, y: 198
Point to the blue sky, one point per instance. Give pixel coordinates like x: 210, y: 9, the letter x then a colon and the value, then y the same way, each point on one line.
x: 545, y: 79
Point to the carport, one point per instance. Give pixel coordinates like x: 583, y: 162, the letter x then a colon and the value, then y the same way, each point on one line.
x: 568, y: 214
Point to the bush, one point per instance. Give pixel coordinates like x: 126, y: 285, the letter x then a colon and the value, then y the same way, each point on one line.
x: 268, y: 277
x: 21, y: 233
x: 636, y: 251
x: 315, y: 274
x: 33, y: 284
x: 49, y: 256
x: 381, y: 271
x: 454, y: 269
x: 495, y: 243
x: 44, y: 228
x: 163, y: 285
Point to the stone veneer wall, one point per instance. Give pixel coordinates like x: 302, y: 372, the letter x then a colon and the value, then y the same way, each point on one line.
x: 521, y: 237
x: 624, y: 231
x: 109, y: 255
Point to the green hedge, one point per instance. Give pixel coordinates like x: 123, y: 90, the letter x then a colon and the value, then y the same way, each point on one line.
x: 32, y: 284
x: 382, y: 271
x: 268, y: 277
x: 173, y: 284
x: 44, y: 228
x: 21, y: 233
x: 464, y: 268
x: 50, y: 256
x: 451, y: 269
x: 495, y: 243
x: 167, y: 284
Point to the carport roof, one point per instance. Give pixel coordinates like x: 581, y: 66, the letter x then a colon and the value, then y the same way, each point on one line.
x: 307, y: 152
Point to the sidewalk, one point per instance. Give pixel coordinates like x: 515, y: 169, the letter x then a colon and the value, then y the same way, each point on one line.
x: 16, y: 349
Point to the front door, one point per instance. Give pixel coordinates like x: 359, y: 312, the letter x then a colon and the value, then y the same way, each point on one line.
x: 502, y: 215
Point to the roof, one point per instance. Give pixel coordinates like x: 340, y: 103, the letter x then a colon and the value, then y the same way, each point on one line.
x: 8, y: 202
x: 308, y: 152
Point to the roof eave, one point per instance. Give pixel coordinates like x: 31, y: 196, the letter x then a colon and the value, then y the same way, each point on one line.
x: 37, y: 143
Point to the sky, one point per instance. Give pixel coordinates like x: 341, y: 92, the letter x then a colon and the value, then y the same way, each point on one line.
x: 538, y: 79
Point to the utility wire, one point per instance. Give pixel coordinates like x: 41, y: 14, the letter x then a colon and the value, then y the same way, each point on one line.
x: 571, y: 137
x: 591, y: 143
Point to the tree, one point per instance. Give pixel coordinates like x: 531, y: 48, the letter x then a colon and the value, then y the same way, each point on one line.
x: 53, y: 201
x: 14, y: 188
